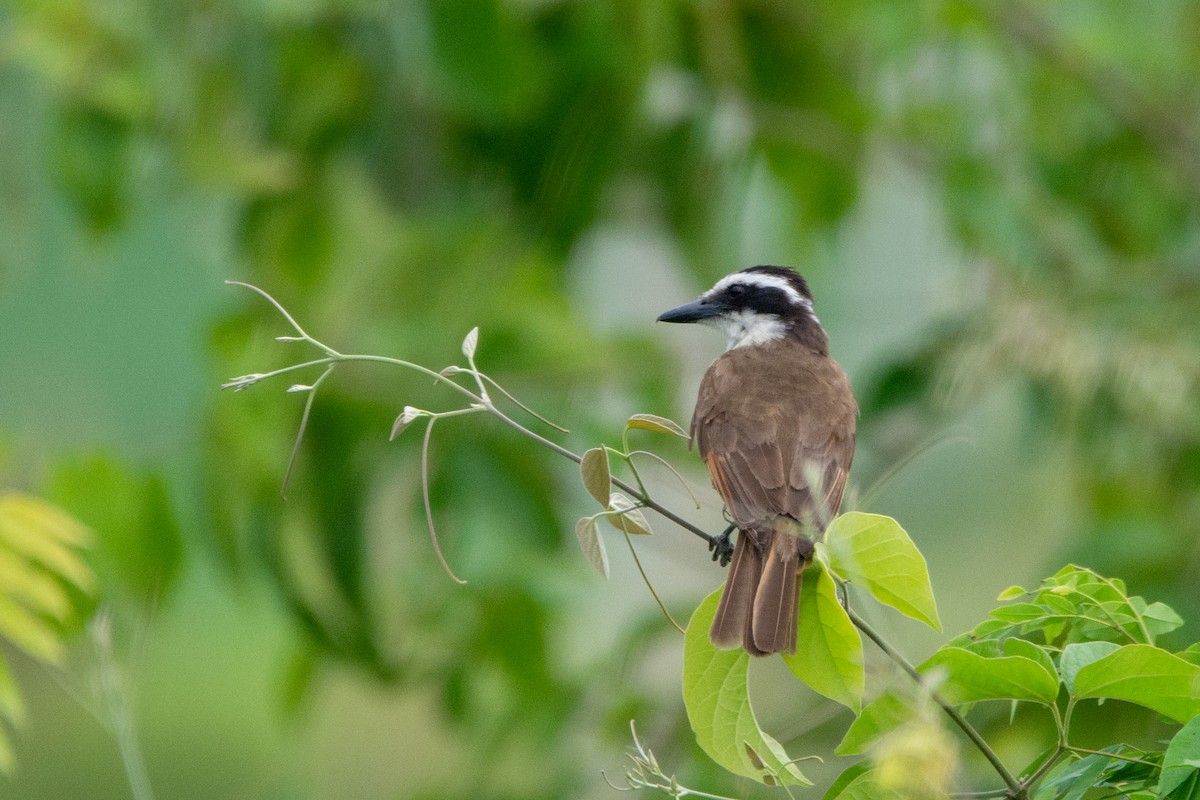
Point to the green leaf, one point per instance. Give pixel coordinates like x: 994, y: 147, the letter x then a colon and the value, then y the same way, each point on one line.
x: 1019, y: 612
x: 973, y: 677
x: 1074, y: 780
x: 1078, y: 655
x: 652, y: 422
x: 1160, y: 618
x: 34, y: 587
x: 138, y: 540
x: 874, y: 551
x: 880, y: 717
x: 715, y: 694
x: 848, y: 776
x: 858, y: 783
x: 1012, y: 592
x: 829, y: 651
x: 29, y: 633
x: 1021, y: 647
x: 1192, y: 654
x: 630, y: 519
x: 591, y: 544
x: 44, y: 534
x: 594, y: 471
x: 1182, y: 759
x: 1146, y: 675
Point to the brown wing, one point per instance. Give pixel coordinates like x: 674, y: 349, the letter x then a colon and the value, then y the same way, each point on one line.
x: 775, y: 425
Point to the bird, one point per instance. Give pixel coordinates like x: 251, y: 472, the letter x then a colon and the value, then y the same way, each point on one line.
x: 775, y: 423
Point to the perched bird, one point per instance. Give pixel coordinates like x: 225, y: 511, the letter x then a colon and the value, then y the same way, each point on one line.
x: 774, y: 422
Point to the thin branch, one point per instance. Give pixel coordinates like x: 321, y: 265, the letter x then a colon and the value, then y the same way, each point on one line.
x: 639, y: 496
x: 114, y: 690
x: 1117, y: 756
x: 492, y: 381
x: 646, y: 580
x: 428, y: 508
x: 1045, y: 766
x: 1015, y: 789
x: 291, y: 320
x: 672, y: 470
x: 308, y: 404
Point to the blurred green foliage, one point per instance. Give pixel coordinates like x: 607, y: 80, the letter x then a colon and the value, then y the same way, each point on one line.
x: 397, y: 172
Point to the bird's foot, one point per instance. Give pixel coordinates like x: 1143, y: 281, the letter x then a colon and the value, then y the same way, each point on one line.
x: 722, y: 547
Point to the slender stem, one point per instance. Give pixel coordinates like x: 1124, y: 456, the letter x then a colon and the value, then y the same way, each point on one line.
x: 672, y: 470
x: 437, y: 549
x: 645, y: 579
x: 1117, y: 756
x: 308, y: 404
x: 1045, y: 766
x: 641, y: 497
x: 1014, y: 786
x: 115, y: 691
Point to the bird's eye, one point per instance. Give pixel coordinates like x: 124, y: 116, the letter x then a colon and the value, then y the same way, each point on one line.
x: 737, y: 290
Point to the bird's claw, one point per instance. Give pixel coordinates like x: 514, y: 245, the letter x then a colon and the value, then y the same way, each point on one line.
x: 722, y: 547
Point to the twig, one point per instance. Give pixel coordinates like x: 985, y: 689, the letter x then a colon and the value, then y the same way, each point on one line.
x: 428, y: 508
x: 308, y: 404
x: 1117, y: 756
x: 1015, y: 789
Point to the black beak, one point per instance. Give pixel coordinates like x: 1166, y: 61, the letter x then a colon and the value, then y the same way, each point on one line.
x: 691, y: 312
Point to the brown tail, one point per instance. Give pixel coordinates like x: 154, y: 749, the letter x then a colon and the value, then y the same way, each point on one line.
x: 758, y: 607
x: 775, y: 602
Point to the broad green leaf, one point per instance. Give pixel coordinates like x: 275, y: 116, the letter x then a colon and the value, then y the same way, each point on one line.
x: 1074, y: 781
x: 874, y: 552
x: 880, y: 717
x: 1160, y: 618
x: 1019, y: 612
x: 138, y: 537
x: 652, y: 422
x: 594, y: 471
x: 829, y: 651
x: 1192, y: 654
x: 973, y: 677
x: 1188, y: 790
x: 631, y: 519
x: 1021, y: 647
x: 1078, y: 655
x: 1146, y: 675
x: 715, y: 694
x: 1182, y: 759
x: 1012, y: 592
x: 858, y: 783
x: 848, y: 776
x: 592, y: 545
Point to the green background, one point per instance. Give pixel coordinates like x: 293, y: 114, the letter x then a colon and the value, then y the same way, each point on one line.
x: 996, y: 204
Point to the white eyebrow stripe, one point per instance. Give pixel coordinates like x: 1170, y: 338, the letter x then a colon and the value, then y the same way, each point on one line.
x: 766, y: 281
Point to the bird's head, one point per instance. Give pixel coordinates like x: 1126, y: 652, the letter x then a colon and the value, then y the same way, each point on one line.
x: 756, y: 306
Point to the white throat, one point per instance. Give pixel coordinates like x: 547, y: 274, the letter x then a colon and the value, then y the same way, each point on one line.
x: 747, y: 329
